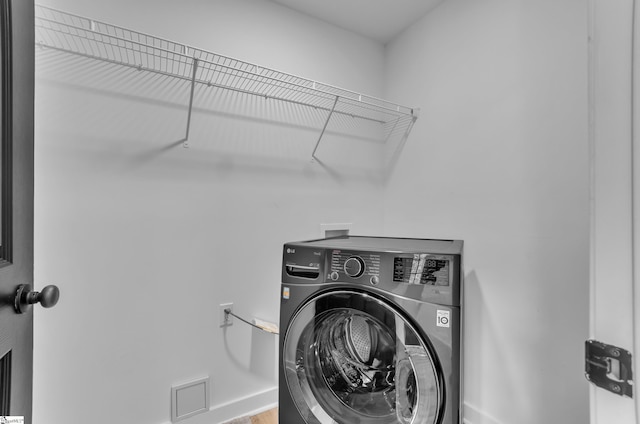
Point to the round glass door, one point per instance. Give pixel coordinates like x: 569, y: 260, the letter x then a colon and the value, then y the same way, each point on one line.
x: 351, y: 358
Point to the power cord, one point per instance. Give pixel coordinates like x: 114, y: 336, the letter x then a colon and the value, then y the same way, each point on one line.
x: 266, y: 330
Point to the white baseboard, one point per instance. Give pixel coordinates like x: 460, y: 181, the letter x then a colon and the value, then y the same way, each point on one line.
x: 259, y: 402
x: 248, y: 405
x: 473, y: 415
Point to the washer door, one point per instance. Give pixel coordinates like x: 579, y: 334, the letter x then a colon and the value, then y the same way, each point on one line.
x: 350, y: 357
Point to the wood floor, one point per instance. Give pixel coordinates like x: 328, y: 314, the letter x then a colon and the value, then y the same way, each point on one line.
x: 267, y: 417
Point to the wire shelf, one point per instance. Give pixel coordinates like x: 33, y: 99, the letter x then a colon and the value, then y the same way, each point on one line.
x: 75, y: 34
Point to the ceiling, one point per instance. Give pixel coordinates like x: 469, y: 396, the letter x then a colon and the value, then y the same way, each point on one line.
x: 380, y: 20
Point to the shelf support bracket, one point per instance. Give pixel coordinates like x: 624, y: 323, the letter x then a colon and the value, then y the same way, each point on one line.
x: 395, y: 124
x: 333, y: 108
x: 185, y: 144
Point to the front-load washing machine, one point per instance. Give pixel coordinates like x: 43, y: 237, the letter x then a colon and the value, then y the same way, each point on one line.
x: 371, y: 331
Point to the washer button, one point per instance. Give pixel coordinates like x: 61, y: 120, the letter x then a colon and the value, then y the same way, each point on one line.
x: 334, y: 276
x: 375, y: 280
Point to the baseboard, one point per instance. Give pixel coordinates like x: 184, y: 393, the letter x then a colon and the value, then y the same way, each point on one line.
x: 248, y: 405
x: 259, y: 402
x: 473, y: 415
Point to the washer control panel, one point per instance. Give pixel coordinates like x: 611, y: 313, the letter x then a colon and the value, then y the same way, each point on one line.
x: 413, y: 269
x: 354, y: 265
x: 425, y: 269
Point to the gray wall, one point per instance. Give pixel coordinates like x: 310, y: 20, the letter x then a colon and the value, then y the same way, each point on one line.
x: 146, y: 238
x: 499, y: 158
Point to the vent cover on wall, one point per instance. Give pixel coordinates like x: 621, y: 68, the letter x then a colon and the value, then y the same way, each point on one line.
x: 189, y: 399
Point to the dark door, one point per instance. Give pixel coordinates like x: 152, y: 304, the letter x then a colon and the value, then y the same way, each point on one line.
x: 16, y: 204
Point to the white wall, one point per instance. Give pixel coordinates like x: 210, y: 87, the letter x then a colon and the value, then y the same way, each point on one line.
x: 614, y: 190
x: 145, y: 238
x: 499, y: 158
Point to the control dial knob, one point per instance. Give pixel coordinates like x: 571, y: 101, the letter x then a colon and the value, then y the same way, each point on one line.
x: 354, y: 267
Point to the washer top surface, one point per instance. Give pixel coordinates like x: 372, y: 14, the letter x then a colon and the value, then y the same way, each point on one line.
x: 389, y: 244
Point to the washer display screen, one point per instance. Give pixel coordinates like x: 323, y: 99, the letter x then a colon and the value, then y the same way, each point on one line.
x: 421, y: 269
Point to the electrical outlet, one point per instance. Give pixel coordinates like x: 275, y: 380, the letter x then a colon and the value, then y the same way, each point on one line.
x: 226, y: 319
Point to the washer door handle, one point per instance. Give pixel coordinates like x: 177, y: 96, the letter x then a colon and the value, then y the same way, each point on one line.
x: 303, y: 271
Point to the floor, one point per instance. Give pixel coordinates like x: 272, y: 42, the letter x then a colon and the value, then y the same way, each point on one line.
x: 267, y: 417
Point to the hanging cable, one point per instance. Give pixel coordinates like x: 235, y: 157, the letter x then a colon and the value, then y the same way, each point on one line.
x: 263, y: 326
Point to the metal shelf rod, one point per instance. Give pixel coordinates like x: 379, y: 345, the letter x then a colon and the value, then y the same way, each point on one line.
x: 193, y: 84
x: 313, y: 154
x: 210, y: 84
x: 92, y: 26
x: 65, y: 32
x: 357, y: 97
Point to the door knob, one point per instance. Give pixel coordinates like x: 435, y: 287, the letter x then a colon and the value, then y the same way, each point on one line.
x: 48, y: 297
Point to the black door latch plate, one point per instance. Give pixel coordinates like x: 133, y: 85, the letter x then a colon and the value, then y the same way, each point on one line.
x: 609, y: 367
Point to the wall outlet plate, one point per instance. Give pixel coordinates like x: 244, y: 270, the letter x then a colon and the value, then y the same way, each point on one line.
x: 225, y: 319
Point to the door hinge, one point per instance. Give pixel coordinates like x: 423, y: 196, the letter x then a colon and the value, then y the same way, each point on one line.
x: 609, y: 367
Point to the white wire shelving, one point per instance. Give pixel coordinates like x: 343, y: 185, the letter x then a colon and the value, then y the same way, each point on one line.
x: 58, y: 30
